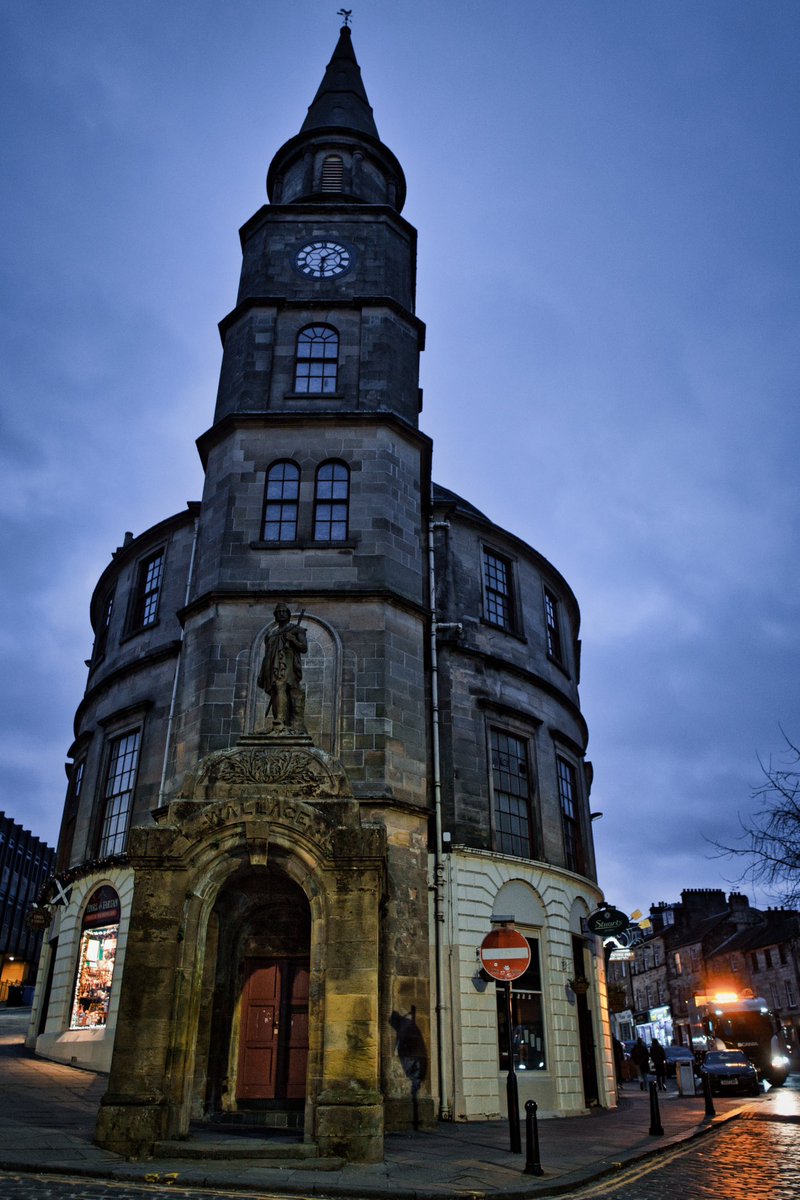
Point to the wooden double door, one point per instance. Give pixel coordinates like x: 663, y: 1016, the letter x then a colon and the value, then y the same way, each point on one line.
x: 273, y: 1040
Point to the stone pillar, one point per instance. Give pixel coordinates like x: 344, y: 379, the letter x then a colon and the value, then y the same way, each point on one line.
x: 349, y: 1109
x: 134, y: 1112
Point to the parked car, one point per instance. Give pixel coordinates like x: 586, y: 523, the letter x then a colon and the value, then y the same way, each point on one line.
x: 730, y: 1071
x: 675, y: 1055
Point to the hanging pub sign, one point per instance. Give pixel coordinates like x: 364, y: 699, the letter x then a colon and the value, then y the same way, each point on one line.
x: 607, y: 921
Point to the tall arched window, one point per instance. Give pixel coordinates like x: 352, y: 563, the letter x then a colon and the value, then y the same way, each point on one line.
x: 317, y: 360
x: 280, y: 502
x: 331, y: 502
x: 332, y: 173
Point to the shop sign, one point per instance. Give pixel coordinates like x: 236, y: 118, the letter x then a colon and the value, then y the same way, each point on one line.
x: 607, y: 921
x: 103, y: 908
x: 621, y: 955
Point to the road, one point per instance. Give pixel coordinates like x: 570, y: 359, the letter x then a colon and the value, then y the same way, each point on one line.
x: 751, y: 1159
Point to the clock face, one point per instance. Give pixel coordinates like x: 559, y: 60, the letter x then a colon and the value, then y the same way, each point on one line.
x: 323, y: 260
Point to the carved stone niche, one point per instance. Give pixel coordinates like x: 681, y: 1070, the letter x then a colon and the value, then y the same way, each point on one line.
x: 283, y: 765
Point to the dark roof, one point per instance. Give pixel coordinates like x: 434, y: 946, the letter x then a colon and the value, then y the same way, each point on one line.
x: 341, y: 100
x: 443, y: 495
x: 773, y: 927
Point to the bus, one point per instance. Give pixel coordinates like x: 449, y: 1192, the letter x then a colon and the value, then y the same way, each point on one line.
x: 733, y: 1021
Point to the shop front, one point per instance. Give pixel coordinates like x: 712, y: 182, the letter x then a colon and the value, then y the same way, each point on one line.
x: 97, y: 955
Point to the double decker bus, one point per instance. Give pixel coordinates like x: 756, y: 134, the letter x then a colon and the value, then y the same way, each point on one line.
x: 742, y: 1021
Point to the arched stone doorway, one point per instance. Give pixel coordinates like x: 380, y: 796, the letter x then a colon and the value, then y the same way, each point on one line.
x: 256, y: 1018
x: 262, y: 878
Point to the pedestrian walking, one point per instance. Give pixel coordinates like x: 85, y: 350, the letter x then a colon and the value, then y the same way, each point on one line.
x: 659, y: 1057
x: 640, y: 1056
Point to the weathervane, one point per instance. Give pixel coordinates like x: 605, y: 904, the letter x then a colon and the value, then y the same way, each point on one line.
x: 345, y: 14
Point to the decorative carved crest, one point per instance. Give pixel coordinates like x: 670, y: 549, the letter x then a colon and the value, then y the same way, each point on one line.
x: 291, y: 769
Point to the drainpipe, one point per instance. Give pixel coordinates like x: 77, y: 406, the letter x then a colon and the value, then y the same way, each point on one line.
x: 174, y: 699
x: 438, y: 864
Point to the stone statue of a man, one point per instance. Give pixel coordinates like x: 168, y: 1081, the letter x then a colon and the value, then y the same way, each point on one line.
x: 282, y: 672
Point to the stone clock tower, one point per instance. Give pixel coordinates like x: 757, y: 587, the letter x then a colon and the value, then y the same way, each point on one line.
x: 290, y: 854
x: 331, y: 727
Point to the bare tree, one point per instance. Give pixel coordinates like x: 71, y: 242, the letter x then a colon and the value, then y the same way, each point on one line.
x: 771, y: 836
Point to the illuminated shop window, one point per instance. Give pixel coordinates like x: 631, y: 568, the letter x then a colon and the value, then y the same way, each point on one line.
x: 527, y: 1016
x: 96, y: 958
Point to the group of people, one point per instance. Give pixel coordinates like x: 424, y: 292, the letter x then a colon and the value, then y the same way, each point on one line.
x: 642, y: 1057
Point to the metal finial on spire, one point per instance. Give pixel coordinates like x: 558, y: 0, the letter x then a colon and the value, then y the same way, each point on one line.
x: 345, y: 14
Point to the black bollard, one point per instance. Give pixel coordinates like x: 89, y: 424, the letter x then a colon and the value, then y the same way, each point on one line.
x: 656, y: 1128
x: 710, y: 1110
x: 532, y: 1164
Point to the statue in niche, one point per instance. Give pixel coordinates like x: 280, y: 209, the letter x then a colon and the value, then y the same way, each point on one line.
x: 281, y: 672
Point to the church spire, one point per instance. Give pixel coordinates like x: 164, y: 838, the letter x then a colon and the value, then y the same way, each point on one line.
x: 341, y: 100
x: 338, y: 155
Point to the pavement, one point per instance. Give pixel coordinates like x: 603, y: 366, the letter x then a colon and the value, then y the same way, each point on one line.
x: 48, y: 1112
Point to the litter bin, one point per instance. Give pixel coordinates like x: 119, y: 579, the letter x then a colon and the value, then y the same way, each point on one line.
x: 685, y: 1074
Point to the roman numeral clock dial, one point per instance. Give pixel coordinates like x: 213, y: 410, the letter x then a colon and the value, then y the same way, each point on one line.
x: 323, y: 260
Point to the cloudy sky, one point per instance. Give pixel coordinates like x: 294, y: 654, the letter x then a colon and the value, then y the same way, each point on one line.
x: 606, y: 195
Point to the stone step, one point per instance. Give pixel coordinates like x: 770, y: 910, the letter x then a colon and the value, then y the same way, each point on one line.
x: 272, y: 1152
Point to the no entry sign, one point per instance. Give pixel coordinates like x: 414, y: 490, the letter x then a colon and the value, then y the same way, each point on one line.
x: 505, y: 954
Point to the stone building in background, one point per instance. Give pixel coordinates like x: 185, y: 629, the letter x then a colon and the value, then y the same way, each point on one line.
x: 26, y: 863
x: 331, y: 727
x: 709, y: 944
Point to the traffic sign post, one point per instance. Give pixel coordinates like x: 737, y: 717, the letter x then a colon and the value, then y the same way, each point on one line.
x: 505, y: 955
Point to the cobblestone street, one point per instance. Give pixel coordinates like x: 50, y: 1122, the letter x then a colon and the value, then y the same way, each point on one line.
x: 751, y: 1159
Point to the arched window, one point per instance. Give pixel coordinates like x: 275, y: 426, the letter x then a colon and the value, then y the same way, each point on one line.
x: 317, y: 360
x: 331, y: 502
x: 332, y: 173
x: 96, y: 957
x: 280, y: 502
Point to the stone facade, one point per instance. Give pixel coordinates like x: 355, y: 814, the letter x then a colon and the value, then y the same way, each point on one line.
x: 295, y: 942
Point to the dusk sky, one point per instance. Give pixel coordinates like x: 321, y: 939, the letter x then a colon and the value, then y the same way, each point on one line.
x: 606, y: 194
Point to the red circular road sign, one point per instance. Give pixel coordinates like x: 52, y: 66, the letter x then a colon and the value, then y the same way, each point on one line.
x: 505, y: 954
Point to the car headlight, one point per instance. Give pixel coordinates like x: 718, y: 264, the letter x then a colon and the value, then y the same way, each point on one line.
x: 780, y: 1060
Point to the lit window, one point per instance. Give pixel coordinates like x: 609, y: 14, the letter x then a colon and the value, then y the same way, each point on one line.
x: 497, y: 598
x: 118, y: 793
x: 317, y: 360
x: 280, y: 503
x: 148, y: 590
x: 331, y: 498
x: 96, y: 959
x: 527, y: 1018
x: 573, y: 842
x: 511, y: 794
x: 332, y: 173
x: 552, y: 626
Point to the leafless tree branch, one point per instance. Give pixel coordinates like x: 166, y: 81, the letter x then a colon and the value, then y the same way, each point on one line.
x: 770, y: 840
